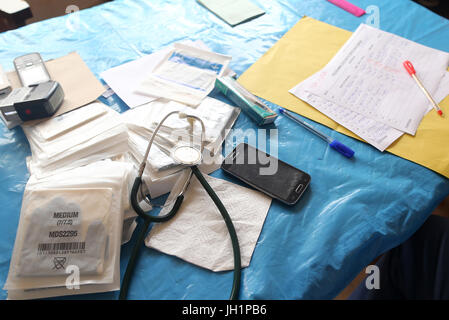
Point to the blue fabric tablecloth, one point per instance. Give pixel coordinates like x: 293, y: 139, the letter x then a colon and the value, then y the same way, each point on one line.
x: 353, y: 211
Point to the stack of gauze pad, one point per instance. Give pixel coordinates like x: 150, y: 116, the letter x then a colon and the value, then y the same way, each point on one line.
x: 77, y: 138
x: 161, y: 170
x: 69, y: 235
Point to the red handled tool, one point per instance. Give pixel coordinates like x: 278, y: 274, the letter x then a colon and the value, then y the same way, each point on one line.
x: 411, y: 70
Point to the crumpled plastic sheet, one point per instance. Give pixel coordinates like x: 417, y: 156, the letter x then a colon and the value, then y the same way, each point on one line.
x: 354, y: 209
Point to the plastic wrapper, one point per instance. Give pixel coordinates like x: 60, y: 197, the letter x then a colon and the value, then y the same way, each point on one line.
x: 76, y: 138
x: 70, y: 220
x: 187, y: 74
x: 218, y: 118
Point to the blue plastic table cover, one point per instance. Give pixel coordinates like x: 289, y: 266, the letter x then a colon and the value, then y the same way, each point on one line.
x: 354, y: 210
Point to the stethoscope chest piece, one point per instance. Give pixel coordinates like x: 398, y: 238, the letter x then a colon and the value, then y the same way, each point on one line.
x: 187, y: 155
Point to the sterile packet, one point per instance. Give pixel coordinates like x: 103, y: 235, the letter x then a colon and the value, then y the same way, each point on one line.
x: 44, y: 149
x: 82, y: 136
x: 110, y: 144
x: 71, y: 231
x: 129, y: 214
x: 71, y: 221
x: 187, y: 74
x: 53, y: 127
x: 217, y: 116
x: 125, y: 78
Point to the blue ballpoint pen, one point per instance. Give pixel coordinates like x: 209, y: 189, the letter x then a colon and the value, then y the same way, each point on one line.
x: 335, y: 144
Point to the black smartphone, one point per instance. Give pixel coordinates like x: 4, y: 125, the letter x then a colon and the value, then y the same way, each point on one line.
x: 267, y: 174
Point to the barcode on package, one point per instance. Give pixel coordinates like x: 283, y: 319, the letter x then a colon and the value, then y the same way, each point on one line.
x: 62, y: 246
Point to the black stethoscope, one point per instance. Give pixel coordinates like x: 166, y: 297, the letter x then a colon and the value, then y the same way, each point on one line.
x: 189, y: 156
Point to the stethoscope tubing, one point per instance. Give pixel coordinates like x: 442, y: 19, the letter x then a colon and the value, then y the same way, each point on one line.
x: 148, y: 219
x: 232, y: 233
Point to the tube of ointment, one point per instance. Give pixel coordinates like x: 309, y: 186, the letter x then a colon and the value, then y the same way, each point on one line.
x: 249, y: 103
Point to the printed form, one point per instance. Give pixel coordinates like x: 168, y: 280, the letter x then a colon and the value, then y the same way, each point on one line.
x: 366, y: 88
x: 376, y: 133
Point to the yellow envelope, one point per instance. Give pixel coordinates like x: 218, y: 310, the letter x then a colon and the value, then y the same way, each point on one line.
x: 304, y: 50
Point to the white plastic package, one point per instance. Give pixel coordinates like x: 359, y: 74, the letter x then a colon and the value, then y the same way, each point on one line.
x: 71, y: 221
x: 187, y: 74
x: 79, y: 137
x: 125, y: 78
x: 216, y: 115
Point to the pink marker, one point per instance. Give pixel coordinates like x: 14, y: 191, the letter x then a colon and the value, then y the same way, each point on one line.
x: 345, y: 5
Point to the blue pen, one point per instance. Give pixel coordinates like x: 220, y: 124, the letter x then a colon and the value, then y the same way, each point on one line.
x: 335, y: 144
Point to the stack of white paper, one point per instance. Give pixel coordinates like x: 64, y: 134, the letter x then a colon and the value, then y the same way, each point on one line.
x: 366, y: 88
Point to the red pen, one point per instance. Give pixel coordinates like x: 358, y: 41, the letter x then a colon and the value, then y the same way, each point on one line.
x: 411, y: 70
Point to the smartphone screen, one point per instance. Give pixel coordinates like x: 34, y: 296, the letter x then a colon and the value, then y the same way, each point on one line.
x: 33, y: 75
x: 268, y: 174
